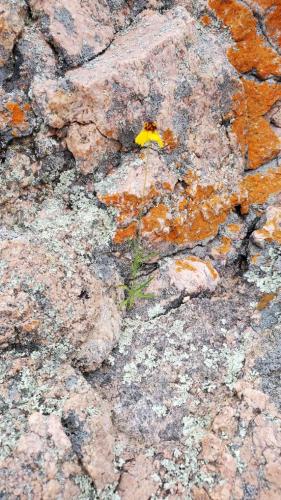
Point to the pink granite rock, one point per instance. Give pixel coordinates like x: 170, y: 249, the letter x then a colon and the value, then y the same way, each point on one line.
x: 44, y: 447
x: 139, y: 182
x: 270, y: 231
x: 80, y: 30
x: 142, y: 77
x: 12, y: 15
x: 43, y: 299
x: 137, y: 481
x: 178, y: 278
x: 79, y: 442
x: 90, y: 148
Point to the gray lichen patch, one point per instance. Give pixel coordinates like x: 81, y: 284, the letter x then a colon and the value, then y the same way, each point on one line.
x: 266, y: 275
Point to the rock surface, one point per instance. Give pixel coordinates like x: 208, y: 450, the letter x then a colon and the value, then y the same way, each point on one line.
x: 178, y: 396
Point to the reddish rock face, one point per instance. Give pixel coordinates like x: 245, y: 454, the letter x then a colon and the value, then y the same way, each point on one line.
x: 79, y: 30
x: 179, y: 396
x: 11, y: 24
x: 99, y: 98
x: 35, y: 282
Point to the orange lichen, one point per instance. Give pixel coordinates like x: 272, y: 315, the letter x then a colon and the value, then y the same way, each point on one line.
x: 169, y: 139
x: 234, y: 228
x: 155, y: 219
x: 125, y: 233
x: 265, y: 300
x: 225, y: 246
x: 201, y: 209
x: 271, y: 231
x: 206, y: 211
x: 128, y: 205
x: 182, y: 265
x: 17, y: 114
x: 253, y: 131
x: 186, y: 264
x: 251, y: 52
x: 254, y: 259
x: 260, y: 186
x: 206, y: 20
x: 272, y: 18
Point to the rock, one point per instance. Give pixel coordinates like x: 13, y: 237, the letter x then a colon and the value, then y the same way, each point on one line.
x: 78, y: 438
x: 39, y: 288
x: 17, y: 174
x: 91, y: 149
x: 264, y: 252
x: 137, y: 481
x: 271, y: 230
x: 135, y: 185
x: 16, y: 116
x: 182, y: 398
x: 12, y: 22
x: 35, y: 58
x: 87, y: 422
x: 95, y: 96
x: 80, y: 31
x: 44, y: 438
x: 178, y: 278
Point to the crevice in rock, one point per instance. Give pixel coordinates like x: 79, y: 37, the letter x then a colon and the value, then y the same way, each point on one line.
x: 25, y: 348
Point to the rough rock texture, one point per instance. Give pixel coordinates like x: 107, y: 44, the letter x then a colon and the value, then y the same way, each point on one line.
x: 79, y: 30
x: 178, y: 397
x: 45, y: 299
x: 12, y: 23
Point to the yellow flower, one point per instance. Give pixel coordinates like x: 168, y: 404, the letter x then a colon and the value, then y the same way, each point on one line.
x: 149, y: 134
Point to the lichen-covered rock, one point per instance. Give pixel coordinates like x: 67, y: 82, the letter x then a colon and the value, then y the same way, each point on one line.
x: 182, y: 399
x: 43, y: 446
x: 186, y: 383
x: 44, y: 297
x: 17, y: 173
x: 137, y: 481
x: 265, y: 253
x: 35, y: 58
x: 103, y: 94
x: 67, y: 435
x: 178, y: 278
x: 79, y: 30
x: 16, y: 117
x: 12, y: 15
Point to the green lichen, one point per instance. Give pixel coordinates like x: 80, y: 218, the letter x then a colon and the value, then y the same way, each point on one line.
x: 86, y: 486
x: 160, y: 410
x: 155, y: 311
x: 267, y: 276
x: 127, y: 335
x: 235, y: 362
x: 131, y: 373
x: 182, y: 391
x: 183, y: 468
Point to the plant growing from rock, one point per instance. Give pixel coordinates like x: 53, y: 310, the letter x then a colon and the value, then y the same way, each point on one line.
x: 136, y: 289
